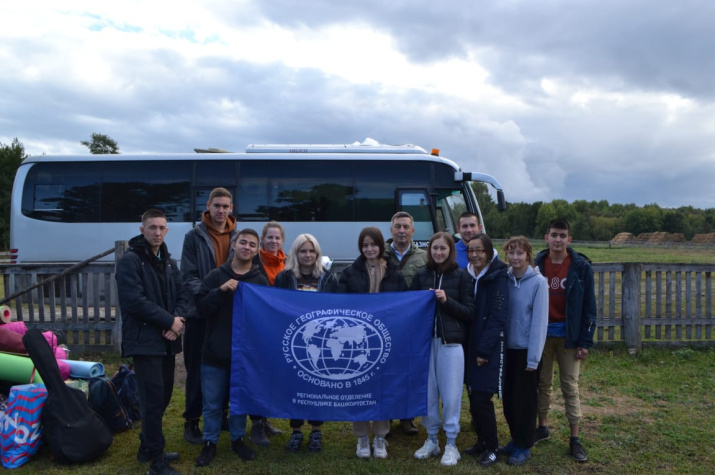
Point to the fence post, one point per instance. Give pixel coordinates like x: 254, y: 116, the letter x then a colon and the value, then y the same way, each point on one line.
x: 120, y: 247
x: 631, y: 306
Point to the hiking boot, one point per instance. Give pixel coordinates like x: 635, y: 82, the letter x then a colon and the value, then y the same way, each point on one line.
x: 542, y: 433
x: 143, y: 457
x: 258, y: 434
x: 451, y: 455
x: 363, y: 448
x: 577, y: 452
x: 315, y: 441
x: 270, y: 430
x: 240, y: 448
x: 408, y: 426
x: 162, y: 467
x: 429, y: 449
x: 475, y: 450
x: 507, y: 449
x: 192, y: 433
x: 379, y: 448
x: 519, y: 456
x: 295, y: 441
x: 208, y: 452
x: 488, y: 458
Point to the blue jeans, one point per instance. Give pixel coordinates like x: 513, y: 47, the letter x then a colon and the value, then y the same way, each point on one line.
x: 215, y: 386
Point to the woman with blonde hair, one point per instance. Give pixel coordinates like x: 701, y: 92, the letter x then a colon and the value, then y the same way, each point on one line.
x: 304, y: 271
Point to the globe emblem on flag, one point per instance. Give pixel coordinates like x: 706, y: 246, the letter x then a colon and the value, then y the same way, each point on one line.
x: 337, y: 348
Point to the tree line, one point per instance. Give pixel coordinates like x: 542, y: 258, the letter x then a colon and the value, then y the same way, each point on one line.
x: 590, y: 220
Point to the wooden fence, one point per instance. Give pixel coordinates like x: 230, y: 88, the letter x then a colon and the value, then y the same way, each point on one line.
x: 637, y: 303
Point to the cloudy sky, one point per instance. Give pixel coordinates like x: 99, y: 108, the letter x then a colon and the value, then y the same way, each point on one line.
x: 567, y: 99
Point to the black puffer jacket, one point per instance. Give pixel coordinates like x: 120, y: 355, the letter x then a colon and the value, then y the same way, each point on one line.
x: 217, y: 307
x: 452, y: 317
x: 355, y: 279
x: 286, y: 279
x: 149, y: 301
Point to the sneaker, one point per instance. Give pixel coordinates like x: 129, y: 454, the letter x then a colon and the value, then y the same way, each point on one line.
x: 451, y: 455
x: 315, y: 441
x: 379, y: 448
x: 143, y: 457
x: 208, y: 452
x: 270, y: 430
x: 488, y: 459
x: 577, y: 452
x: 507, y: 449
x: 429, y: 449
x: 162, y: 468
x: 240, y: 448
x: 192, y: 433
x: 542, y: 433
x: 475, y: 450
x: 408, y: 426
x: 519, y: 456
x: 363, y: 448
x: 295, y: 442
x: 258, y: 434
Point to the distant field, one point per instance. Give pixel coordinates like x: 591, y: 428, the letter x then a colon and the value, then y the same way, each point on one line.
x: 604, y: 252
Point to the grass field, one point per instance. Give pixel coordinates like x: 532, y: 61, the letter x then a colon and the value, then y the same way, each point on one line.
x: 650, y: 413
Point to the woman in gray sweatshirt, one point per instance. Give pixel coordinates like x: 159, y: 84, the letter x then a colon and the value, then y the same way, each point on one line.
x: 526, y: 334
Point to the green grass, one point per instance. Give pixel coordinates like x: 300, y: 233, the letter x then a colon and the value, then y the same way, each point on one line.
x: 649, y: 413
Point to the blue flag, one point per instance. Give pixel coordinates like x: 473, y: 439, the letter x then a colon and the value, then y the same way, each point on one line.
x: 330, y: 357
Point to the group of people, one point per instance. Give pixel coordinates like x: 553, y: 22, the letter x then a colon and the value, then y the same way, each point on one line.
x: 497, y: 328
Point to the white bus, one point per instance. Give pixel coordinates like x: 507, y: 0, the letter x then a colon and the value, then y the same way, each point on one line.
x: 70, y: 208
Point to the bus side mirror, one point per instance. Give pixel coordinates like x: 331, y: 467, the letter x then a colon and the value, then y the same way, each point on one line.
x: 501, y: 202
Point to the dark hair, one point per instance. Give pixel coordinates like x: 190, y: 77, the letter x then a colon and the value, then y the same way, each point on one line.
x: 520, y: 242
x: 487, y: 245
x: 376, y: 236
x: 468, y: 214
x: 248, y: 231
x: 558, y: 224
x: 448, y: 265
x: 152, y: 213
x: 219, y: 193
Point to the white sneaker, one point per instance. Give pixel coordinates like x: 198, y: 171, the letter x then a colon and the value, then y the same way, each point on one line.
x: 451, y: 455
x: 379, y: 448
x: 430, y: 449
x: 363, y: 448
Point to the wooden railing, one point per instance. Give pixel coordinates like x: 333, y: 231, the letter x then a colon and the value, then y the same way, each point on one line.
x: 637, y: 303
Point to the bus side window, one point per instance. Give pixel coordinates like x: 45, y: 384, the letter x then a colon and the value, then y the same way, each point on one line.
x: 416, y: 202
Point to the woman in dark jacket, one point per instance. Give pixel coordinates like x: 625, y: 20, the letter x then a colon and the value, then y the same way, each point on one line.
x: 485, y: 346
x: 455, y: 309
x: 371, y: 273
x: 304, y: 271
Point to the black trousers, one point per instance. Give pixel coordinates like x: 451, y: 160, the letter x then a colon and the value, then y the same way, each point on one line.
x: 194, y: 332
x: 484, y: 419
x: 520, y: 398
x: 155, y: 382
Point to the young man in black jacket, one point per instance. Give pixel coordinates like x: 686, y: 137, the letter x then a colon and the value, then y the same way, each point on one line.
x: 215, y: 302
x: 153, y: 304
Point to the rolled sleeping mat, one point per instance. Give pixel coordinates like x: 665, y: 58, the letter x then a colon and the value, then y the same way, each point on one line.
x: 5, y: 314
x: 84, y: 369
x: 18, y: 369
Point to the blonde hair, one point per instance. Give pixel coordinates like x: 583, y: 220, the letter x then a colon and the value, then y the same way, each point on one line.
x: 520, y: 242
x: 292, y: 259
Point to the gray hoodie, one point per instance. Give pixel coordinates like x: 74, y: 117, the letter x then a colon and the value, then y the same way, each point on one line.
x: 528, y: 314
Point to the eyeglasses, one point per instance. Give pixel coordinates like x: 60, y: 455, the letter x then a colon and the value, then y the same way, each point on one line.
x: 475, y: 251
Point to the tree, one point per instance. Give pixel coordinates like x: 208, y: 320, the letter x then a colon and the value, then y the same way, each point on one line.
x: 101, y: 145
x: 11, y: 156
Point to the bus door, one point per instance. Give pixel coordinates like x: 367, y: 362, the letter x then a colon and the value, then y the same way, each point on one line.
x: 417, y: 202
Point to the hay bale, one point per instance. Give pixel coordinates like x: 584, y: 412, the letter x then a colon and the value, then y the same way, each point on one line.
x: 623, y: 237
x: 704, y: 238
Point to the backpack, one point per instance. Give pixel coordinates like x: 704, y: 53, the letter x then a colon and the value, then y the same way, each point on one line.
x: 125, y: 383
x: 103, y: 400
x: 74, y: 432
